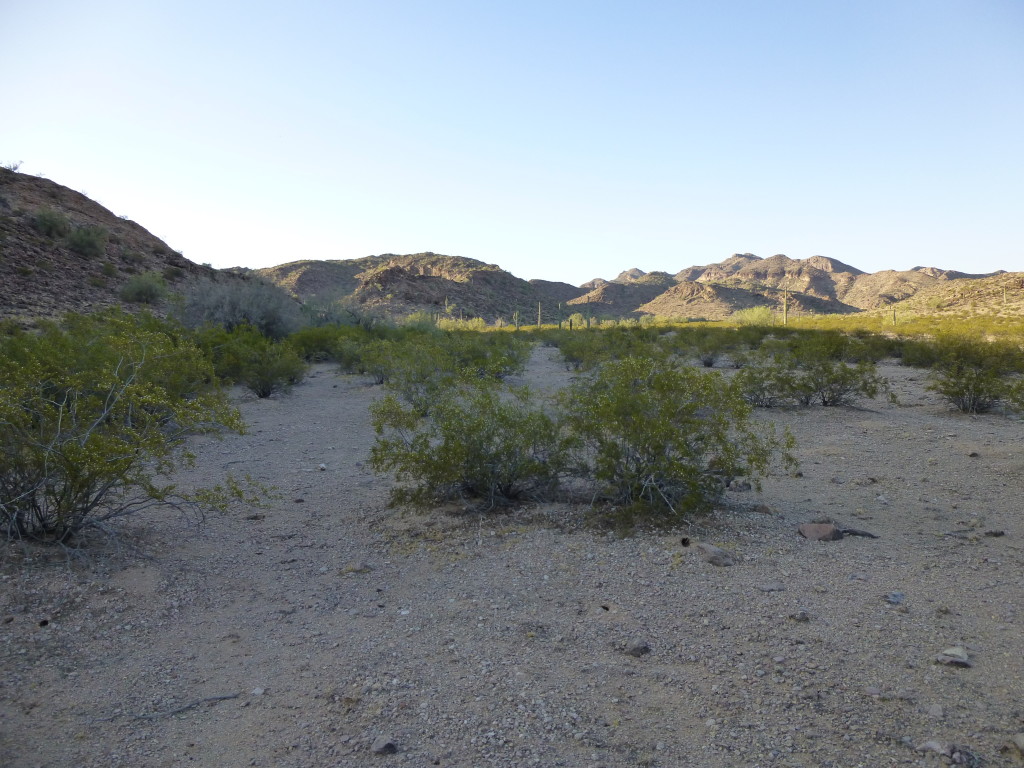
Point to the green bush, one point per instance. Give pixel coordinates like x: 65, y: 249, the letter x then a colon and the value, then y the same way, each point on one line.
x: 667, y: 438
x: 762, y: 316
x: 245, y: 356
x: 92, y: 420
x: 88, y: 241
x: 822, y: 374
x: 147, y: 288
x: 51, y: 223
x: 973, y: 374
x: 275, y: 367
x: 479, y: 441
x: 766, y: 380
x: 969, y: 388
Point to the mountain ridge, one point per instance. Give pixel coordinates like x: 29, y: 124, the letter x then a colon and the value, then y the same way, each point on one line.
x: 42, y: 276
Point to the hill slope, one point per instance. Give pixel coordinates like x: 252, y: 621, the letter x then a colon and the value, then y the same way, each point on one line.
x: 401, y: 284
x: 45, y: 273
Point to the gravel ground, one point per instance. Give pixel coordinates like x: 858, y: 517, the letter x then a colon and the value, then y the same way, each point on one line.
x: 328, y: 630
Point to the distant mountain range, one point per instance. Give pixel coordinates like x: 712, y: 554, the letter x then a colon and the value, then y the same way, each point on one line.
x: 43, y: 275
x: 459, y: 286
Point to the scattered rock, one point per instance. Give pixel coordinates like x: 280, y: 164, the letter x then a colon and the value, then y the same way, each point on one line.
x: 716, y: 555
x: 383, y: 745
x: 973, y: 454
x: 995, y: 534
x: 800, y: 616
x: 739, y: 485
x: 895, y: 598
x: 637, y: 648
x: 936, y: 746
x: 258, y: 691
x: 873, y: 691
x: 764, y: 509
x: 772, y: 586
x: 935, y: 710
x: 322, y: 467
x: 954, y: 657
x: 820, y: 532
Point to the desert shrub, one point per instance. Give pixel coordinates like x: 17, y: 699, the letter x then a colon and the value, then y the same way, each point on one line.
x: 172, y: 273
x: 245, y: 356
x: 316, y: 344
x: 480, y: 441
x: 762, y: 316
x: 146, y: 288
x: 971, y: 374
x: 488, y: 355
x: 272, y: 367
x: 833, y: 383
x: 421, y: 374
x: 1014, y: 395
x: 234, y: 303
x: 51, y: 223
x: 875, y: 346
x: 668, y: 438
x: 969, y: 388
x: 108, y: 269
x: 585, y: 350
x: 822, y: 374
x: 88, y: 241
x: 766, y: 380
x: 93, y: 417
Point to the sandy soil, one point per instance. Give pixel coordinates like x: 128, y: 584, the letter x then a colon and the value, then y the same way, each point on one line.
x: 324, y: 625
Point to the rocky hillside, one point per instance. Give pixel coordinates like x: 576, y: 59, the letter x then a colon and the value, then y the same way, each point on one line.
x: 811, y: 286
x: 454, y: 286
x: 61, y: 252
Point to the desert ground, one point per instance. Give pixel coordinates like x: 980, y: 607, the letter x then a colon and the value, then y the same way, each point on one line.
x: 326, y: 629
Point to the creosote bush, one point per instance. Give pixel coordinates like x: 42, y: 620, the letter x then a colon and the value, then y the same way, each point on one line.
x: 974, y: 376
x: 480, y: 441
x: 146, y: 288
x: 668, y: 438
x: 88, y: 241
x: 93, y: 414
x: 51, y: 223
x: 245, y: 356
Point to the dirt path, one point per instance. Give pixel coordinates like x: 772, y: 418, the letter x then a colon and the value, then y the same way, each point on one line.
x: 332, y: 621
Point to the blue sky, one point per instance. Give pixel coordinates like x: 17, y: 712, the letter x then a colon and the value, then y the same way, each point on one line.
x: 560, y: 140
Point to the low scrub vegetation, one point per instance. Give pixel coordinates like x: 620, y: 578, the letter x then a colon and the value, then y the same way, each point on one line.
x: 93, y: 414
x: 236, y: 303
x: 665, y: 437
x: 245, y: 356
x: 479, y: 441
x: 145, y: 288
x: 88, y: 241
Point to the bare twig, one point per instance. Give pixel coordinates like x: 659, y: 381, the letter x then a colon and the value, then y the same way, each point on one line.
x: 170, y: 712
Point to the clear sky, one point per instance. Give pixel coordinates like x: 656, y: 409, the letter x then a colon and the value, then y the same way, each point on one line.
x: 560, y: 140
